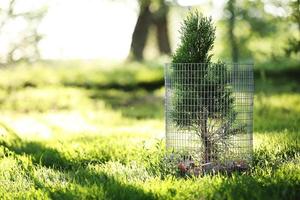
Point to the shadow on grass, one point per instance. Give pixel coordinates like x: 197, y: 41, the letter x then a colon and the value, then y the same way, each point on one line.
x: 249, y: 187
x: 41, y: 155
x: 85, y: 183
x: 286, y: 74
x: 276, y: 86
x: 102, y: 184
x: 142, y: 103
x: 148, y: 86
x: 131, y: 83
x: 92, y: 185
x: 129, y: 86
x: 137, y: 104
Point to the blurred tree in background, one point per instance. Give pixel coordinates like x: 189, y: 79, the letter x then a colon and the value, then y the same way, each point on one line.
x: 152, y: 12
x: 262, y: 30
x: 294, y: 42
x: 21, y: 45
x: 231, y: 7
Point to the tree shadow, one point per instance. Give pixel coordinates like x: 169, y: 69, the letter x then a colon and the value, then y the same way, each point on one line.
x: 78, y: 174
x: 148, y: 86
x: 142, y: 102
x: 111, y: 187
x: 286, y: 74
x: 249, y: 187
x: 136, y: 104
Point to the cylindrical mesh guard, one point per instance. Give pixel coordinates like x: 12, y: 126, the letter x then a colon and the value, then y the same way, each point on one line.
x: 209, y: 111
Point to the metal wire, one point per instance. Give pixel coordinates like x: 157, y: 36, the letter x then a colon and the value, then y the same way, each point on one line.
x: 209, y: 111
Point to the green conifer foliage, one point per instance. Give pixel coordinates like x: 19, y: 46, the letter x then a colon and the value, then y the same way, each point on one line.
x: 202, y: 98
x: 197, y: 39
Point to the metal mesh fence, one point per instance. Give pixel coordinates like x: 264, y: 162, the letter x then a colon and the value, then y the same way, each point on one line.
x: 209, y: 112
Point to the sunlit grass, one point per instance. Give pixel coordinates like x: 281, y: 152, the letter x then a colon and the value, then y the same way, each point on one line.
x: 69, y: 135
x: 282, y: 110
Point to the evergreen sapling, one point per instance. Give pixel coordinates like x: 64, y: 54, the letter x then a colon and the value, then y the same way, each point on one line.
x: 203, y: 99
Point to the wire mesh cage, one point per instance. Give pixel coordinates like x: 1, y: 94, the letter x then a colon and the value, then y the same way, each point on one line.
x: 209, y: 113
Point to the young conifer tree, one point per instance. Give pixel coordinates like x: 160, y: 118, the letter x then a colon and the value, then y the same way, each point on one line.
x: 203, y: 100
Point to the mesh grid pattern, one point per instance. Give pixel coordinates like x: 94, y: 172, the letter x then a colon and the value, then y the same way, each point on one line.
x: 209, y: 110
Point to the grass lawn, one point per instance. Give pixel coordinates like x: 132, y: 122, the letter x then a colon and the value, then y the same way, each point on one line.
x: 97, y: 133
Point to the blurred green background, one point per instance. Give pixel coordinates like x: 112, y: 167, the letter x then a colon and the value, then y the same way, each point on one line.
x: 82, y: 98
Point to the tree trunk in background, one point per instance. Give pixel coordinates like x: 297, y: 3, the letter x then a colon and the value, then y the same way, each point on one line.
x: 160, y: 20
x: 140, y: 33
x: 231, y: 26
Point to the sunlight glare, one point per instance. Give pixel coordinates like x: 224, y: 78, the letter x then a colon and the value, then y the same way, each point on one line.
x: 88, y: 30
